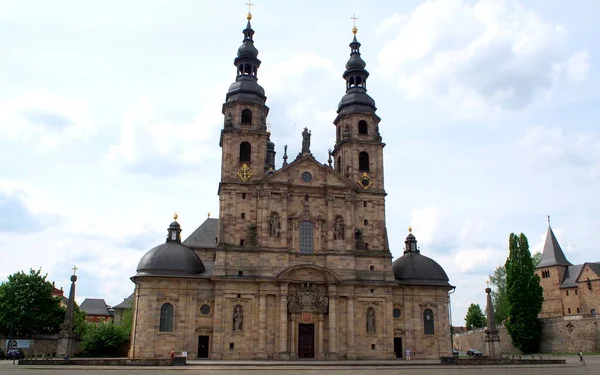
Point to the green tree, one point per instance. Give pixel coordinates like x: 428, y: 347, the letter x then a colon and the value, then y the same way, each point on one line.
x: 105, y: 339
x: 499, y: 296
x: 79, y: 322
x: 475, y: 317
x: 524, y: 296
x: 27, y: 305
x: 127, y: 320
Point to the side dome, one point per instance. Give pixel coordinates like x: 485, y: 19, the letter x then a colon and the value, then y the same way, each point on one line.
x: 415, y: 269
x: 412, y: 268
x: 171, y: 258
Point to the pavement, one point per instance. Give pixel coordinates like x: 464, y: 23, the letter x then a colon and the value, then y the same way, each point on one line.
x: 415, y: 367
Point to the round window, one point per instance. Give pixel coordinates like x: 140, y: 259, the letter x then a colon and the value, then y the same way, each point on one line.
x: 306, y: 177
x: 204, y: 309
x: 397, y: 313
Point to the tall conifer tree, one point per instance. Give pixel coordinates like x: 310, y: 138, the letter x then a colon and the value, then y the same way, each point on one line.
x: 524, y: 296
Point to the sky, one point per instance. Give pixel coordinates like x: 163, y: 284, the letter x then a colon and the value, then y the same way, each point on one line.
x: 110, y: 114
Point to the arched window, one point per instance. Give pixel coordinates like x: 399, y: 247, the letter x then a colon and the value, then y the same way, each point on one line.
x: 362, y: 127
x: 363, y: 162
x: 428, y: 327
x: 245, y: 151
x: 306, y: 237
x: 247, y: 117
x: 166, y: 318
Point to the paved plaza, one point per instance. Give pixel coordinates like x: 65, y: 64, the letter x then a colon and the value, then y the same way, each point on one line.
x: 573, y: 367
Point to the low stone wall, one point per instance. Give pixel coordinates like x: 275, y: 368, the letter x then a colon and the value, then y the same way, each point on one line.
x: 484, y: 361
x: 559, y: 335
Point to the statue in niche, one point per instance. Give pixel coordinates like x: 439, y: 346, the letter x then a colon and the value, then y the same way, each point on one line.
x: 238, y: 319
x: 371, y: 321
x: 274, y: 225
x: 251, y: 237
x: 359, y: 242
x: 228, y: 121
x: 338, y: 228
x: 305, y: 203
x: 306, y: 140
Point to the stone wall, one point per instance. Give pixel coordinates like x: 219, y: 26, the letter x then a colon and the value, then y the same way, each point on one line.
x: 559, y: 335
x: 39, y: 345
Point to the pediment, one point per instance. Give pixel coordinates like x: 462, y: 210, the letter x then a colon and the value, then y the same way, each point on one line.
x: 589, y: 271
x: 321, y: 175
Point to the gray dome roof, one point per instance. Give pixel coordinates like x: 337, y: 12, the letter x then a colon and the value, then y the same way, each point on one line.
x: 170, y: 259
x: 415, y: 269
x: 356, y: 100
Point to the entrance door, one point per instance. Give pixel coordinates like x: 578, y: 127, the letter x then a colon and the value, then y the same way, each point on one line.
x: 398, y: 346
x: 306, y: 341
x: 203, y: 346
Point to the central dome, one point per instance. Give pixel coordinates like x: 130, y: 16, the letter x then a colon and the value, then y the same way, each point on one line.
x: 416, y: 269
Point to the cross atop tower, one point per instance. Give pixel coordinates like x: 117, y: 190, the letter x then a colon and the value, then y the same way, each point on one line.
x: 353, y: 18
x: 249, y: 3
x: 487, y: 283
x: 74, y: 269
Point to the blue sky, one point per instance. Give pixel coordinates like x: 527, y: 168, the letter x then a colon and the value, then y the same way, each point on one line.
x: 110, y: 115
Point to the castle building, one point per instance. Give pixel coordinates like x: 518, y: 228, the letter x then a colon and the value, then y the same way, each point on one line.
x: 298, y: 263
x: 568, y: 289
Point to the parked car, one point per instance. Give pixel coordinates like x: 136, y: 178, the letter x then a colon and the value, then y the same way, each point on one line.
x: 13, y: 354
x: 455, y: 353
x: 474, y: 353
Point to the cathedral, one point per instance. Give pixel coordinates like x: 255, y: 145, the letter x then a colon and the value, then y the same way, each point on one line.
x: 298, y: 264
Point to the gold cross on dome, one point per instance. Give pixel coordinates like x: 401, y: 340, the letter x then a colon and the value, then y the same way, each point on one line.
x: 353, y: 18
x: 74, y: 269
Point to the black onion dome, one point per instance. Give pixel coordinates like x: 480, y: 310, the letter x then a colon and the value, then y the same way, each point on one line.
x: 170, y: 259
x: 412, y: 268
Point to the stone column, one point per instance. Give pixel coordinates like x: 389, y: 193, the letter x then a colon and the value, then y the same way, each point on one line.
x: 283, y: 235
x: 350, y: 330
x: 262, y: 326
x: 283, y: 322
x: 293, y: 340
x: 350, y: 226
x: 329, y: 227
x: 389, y: 328
x: 332, y: 352
x: 218, y: 326
x: 320, y: 352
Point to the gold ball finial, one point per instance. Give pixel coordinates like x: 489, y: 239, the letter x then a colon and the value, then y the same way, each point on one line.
x: 175, y: 216
x: 354, y: 30
x: 410, y: 228
x: 249, y: 16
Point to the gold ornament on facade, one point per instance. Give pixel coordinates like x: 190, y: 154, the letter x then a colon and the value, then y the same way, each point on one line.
x: 244, y: 173
x: 365, y: 181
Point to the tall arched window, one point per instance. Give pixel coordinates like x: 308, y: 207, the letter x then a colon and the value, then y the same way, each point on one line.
x: 247, y: 117
x: 166, y: 318
x: 362, y: 127
x: 428, y: 327
x: 363, y: 162
x: 306, y: 237
x: 245, y: 151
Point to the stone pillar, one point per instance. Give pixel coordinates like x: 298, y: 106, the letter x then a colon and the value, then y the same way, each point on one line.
x: 283, y: 322
x: 389, y: 328
x: 66, y: 343
x: 332, y: 352
x: 320, y: 352
x: 218, y: 326
x: 350, y: 329
x: 283, y: 235
x: 293, y: 340
x: 262, y: 326
x: 492, y: 339
x: 350, y: 225
x: 330, y: 222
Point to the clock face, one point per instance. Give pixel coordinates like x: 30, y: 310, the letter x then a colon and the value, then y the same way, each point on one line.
x: 306, y: 177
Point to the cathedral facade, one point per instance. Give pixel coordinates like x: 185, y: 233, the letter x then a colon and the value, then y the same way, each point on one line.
x: 298, y: 264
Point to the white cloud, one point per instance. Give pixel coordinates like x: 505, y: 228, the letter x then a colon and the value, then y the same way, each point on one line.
x: 150, y: 144
x: 477, y: 259
x: 578, y: 65
x: 495, y: 55
x: 390, y: 22
x: 48, y: 119
x: 424, y: 223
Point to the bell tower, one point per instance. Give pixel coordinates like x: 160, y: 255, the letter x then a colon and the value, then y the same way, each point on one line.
x: 244, y: 137
x: 358, y: 151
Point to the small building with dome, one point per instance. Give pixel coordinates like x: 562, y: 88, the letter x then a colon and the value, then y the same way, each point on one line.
x: 298, y: 263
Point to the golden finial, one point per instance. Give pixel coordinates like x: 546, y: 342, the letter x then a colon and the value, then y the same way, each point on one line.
x: 354, y: 29
x: 175, y: 216
x: 410, y: 228
x: 249, y: 15
x: 208, y: 213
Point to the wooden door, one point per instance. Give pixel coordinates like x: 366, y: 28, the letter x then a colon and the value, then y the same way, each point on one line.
x: 203, y: 346
x: 306, y: 341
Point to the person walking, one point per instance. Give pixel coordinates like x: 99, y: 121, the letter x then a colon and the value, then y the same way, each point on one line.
x: 581, y: 357
x: 407, y: 354
x: 172, y: 353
